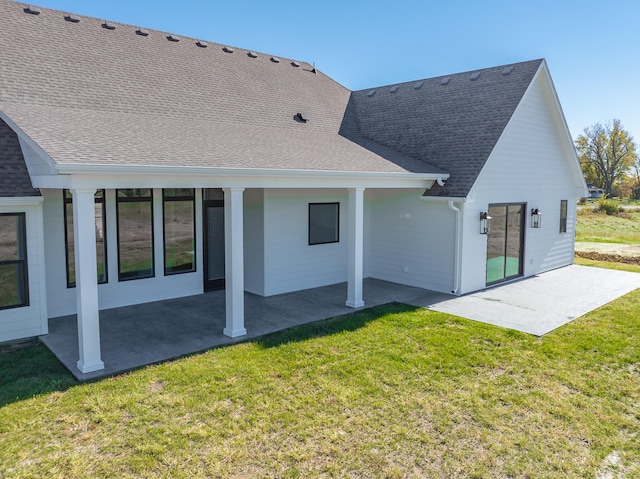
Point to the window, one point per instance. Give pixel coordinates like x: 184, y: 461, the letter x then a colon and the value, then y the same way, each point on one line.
x: 135, y: 233
x: 324, y: 221
x: 563, y: 216
x: 179, y: 230
x: 13, y: 261
x: 101, y: 229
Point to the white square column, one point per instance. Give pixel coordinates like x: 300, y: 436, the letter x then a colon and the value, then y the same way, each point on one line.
x: 234, y: 262
x: 355, y: 240
x: 84, y: 234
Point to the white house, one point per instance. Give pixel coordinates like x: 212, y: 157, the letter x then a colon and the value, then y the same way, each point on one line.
x: 137, y: 165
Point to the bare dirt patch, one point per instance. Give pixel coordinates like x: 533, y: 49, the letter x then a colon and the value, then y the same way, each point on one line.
x: 615, y: 252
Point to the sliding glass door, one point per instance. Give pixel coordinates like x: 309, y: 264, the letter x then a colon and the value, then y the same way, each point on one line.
x: 505, y: 242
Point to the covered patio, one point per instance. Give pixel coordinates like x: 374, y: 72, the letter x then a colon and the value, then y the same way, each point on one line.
x: 134, y: 336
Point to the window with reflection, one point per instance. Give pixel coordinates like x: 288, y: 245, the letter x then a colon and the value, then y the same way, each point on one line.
x: 134, y: 209
x: 178, y: 205
x: 13, y: 261
x: 563, y: 216
x: 101, y: 230
x: 324, y: 221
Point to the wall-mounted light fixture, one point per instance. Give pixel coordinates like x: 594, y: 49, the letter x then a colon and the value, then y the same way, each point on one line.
x: 485, y: 223
x: 536, y: 218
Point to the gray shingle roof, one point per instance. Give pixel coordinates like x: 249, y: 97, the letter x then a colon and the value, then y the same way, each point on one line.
x: 88, y: 94
x: 453, y: 126
x: 14, y: 177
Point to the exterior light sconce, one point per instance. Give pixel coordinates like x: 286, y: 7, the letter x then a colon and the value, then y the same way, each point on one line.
x: 485, y: 223
x: 536, y: 218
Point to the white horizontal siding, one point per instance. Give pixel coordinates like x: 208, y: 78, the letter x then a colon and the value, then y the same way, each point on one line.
x: 529, y: 165
x: 254, y: 241
x: 31, y: 320
x: 412, y: 241
x: 291, y: 264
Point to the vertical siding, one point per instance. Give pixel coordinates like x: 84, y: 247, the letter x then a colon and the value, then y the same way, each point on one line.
x: 528, y: 165
x: 254, y: 241
x: 412, y: 241
x: 62, y: 300
x: 27, y: 321
x: 290, y: 263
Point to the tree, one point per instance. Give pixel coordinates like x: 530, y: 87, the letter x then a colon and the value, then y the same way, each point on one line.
x: 607, y: 153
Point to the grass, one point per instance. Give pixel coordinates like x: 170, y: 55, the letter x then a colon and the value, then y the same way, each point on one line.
x: 601, y: 228
x: 387, y: 392
x: 28, y: 369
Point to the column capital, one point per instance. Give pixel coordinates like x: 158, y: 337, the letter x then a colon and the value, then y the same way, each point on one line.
x: 83, y: 191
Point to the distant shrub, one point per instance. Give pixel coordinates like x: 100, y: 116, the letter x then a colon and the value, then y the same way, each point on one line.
x: 582, y: 201
x: 623, y: 214
x: 608, y: 206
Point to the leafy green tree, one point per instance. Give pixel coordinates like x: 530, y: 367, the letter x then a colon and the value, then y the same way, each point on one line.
x: 607, y: 154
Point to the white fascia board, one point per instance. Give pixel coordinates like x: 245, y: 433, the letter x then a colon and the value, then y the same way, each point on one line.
x: 455, y: 199
x: 20, y: 200
x: 128, y: 176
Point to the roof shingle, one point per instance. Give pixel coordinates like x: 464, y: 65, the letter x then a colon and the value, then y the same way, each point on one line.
x: 14, y: 177
x: 453, y: 125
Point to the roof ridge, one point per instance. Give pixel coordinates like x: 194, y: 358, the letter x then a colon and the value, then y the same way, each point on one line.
x: 64, y: 13
x: 467, y: 72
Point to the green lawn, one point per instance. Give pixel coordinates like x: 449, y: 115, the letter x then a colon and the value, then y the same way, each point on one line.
x: 600, y: 228
x: 387, y: 392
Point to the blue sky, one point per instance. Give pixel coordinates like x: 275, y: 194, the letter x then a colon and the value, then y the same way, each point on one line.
x: 592, y: 47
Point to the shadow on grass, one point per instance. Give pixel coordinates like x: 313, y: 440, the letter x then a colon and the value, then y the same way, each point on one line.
x: 28, y: 369
x: 335, y: 325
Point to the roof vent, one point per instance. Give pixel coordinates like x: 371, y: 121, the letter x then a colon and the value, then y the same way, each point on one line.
x: 445, y: 81
x: 418, y: 85
x: 227, y: 49
x: 371, y: 93
x: 394, y: 89
x: 302, y: 117
x: 252, y: 54
x: 474, y: 76
x: 275, y: 59
x: 32, y: 10
x: 108, y: 26
x: 142, y: 32
x: 507, y: 70
x: 202, y: 44
x: 71, y: 18
x: 295, y: 64
x: 173, y: 38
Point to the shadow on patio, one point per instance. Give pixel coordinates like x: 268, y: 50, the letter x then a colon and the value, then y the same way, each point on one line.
x: 134, y: 336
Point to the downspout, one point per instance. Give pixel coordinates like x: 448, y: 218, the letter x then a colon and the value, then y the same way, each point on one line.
x: 458, y: 251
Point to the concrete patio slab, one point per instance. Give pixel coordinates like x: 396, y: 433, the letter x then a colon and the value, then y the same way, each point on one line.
x: 542, y: 303
x: 135, y: 336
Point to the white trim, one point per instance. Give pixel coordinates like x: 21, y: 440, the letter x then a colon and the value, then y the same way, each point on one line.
x: 21, y: 200
x: 82, y: 169
x: 457, y: 199
x: 249, y: 180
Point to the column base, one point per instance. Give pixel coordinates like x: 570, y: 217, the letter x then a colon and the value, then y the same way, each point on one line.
x: 89, y: 367
x: 234, y: 334
x: 354, y: 304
